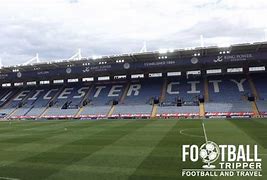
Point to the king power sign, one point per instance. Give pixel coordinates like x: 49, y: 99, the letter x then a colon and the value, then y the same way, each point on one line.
x: 233, y: 58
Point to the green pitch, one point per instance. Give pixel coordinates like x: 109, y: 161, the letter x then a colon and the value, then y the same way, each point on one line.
x: 115, y: 149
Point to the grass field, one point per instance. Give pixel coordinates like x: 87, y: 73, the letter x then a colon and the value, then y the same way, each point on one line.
x: 115, y: 149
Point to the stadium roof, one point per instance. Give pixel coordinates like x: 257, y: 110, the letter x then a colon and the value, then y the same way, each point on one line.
x: 145, y: 56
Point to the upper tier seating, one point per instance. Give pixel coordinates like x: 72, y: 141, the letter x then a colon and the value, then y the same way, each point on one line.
x: 101, y: 98
x: 139, y: 97
x: 135, y: 97
x: 228, y: 88
x: 143, y: 91
x: 6, y: 95
x: 228, y: 94
x: 260, y: 81
x: 103, y: 94
x: 187, y: 89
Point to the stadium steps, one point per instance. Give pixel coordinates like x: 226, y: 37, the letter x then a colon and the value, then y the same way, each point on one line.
x: 79, y: 112
x: 112, y: 109
x: 12, y: 112
x: 201, y: 109
x: 44, y: 112
x: 163, y: 90
x: 84, y: 98
x: 154, y: 111
x: 206, y: 89
x: 252, y: 87
x: 56, y: 95
x: 28, y: 110
x: 255, y: 109
x: 86, y: 95
x: 125, y: 93
x: 256, y: 96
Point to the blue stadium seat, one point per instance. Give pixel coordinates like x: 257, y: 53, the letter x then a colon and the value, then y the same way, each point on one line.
x: 226, y: 94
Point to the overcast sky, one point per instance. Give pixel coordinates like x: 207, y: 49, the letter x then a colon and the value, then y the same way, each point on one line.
x: 57, y: 28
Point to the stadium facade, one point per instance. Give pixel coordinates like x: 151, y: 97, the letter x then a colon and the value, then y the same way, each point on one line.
x: 197, y: 82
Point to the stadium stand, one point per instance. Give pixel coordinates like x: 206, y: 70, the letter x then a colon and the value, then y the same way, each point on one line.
x: 187, y: 91
x: 181, y: 98
x: 139, y: 98
x: 228, y: 94
x: 199, y: 94
x: 101, y: 98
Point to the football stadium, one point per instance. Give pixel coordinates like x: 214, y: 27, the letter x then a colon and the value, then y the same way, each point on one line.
x: 199, y: 83
x: 126, y: 117
x: 179, y: 113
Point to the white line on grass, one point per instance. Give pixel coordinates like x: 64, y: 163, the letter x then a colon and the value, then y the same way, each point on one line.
x: 204, y: 130
x: 8, y: 178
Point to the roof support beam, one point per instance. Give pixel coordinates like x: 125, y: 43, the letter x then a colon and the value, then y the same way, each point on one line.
x: 76, y: 56
x: 34, y: 59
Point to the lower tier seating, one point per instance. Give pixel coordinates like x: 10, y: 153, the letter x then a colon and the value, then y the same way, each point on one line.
x: 95, y: 110
x: 132, y: 109
x: 36, y: 111
x: 21, y: 111
x: 176, y: 109
x: 241, y: 106
x: 262, y: 106
x: 7, y: 110
x: 60, y: 112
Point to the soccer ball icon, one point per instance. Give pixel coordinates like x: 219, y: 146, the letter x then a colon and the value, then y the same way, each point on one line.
x: 209, y: 152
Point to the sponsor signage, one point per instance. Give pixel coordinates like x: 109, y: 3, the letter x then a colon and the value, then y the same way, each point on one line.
x: 139, y: 65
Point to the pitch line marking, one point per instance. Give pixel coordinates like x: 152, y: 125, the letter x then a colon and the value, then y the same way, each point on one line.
x: 190, y: 135
x: 8, y: 178
x: 204, y: 130
x: 206, y: 139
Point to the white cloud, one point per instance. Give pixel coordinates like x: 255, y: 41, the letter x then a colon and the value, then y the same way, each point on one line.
x: 56, y: 28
